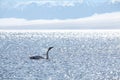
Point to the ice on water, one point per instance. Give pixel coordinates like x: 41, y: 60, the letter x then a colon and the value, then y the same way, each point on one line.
x: 75, y: 56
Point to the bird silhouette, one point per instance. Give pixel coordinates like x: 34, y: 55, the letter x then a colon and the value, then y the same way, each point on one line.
x: 40, y: 57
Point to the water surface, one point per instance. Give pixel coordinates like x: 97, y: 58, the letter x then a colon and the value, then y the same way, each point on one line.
x: 77, y: 55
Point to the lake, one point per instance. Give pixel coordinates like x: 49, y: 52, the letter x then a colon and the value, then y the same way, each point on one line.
x: 77, y: 55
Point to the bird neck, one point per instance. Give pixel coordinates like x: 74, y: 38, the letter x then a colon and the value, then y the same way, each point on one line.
x: 47, y: 56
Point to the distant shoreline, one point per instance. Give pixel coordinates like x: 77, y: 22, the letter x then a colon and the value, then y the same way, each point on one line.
x: 60, y: 30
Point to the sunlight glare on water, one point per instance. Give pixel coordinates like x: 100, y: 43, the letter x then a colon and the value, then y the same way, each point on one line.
x: 77, y: 55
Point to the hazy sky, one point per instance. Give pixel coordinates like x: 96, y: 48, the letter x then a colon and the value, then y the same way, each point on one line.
x: 60, y: 14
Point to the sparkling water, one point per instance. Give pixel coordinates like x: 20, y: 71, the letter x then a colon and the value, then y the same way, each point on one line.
x: 77, y: 55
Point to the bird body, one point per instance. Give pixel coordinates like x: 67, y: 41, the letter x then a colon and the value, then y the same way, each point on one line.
x: 37, y: 57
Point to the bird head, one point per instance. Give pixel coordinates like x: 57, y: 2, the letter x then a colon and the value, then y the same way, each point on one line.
x: 50, y: 48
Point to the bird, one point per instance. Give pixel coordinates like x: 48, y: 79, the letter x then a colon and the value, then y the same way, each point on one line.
x: 40, y: 57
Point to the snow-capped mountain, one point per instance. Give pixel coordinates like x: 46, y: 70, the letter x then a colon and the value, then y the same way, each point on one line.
x: 63, y: 9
